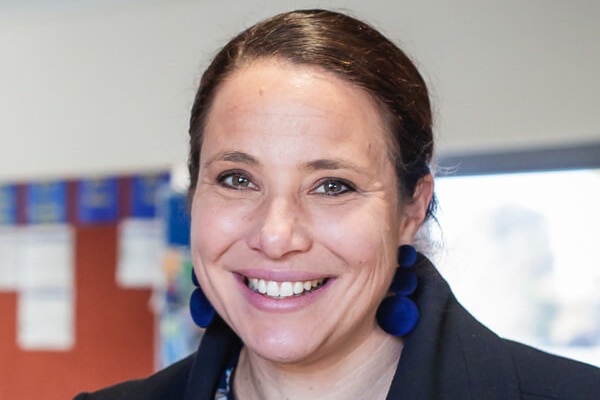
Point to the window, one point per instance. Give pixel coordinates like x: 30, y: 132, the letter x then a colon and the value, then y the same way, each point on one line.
x: 521, y: 252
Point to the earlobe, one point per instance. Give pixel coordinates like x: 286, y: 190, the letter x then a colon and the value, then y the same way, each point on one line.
x: 415, y: 211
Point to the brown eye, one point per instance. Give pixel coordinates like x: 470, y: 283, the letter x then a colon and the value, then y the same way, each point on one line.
x: 334, y: 187
x: 239, y: 181
x: 236, y: 181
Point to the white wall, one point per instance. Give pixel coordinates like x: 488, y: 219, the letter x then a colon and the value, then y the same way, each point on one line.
x: 103, y: 89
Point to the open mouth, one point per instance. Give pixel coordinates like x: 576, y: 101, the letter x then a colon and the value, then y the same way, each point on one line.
x: 282, y: 290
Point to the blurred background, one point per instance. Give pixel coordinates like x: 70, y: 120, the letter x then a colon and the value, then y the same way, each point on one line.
x: 94, y: 104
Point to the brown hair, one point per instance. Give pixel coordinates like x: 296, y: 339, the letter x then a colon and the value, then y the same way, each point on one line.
x: 352, y: 50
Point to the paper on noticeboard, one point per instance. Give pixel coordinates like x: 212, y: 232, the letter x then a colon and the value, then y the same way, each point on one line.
x: 46, y: 275
x: 141, y: 249
x: 9, y: 248
x: 45, y: 320
x: 46, y: 257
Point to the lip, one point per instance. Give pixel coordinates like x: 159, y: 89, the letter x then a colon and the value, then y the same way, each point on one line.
x: 288, y: 304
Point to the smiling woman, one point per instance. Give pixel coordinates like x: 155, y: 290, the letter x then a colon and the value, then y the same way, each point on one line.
x: 287, y: 212
x: 310, y: 144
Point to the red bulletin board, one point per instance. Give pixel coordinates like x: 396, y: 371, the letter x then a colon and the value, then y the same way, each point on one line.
x: 114, y: 326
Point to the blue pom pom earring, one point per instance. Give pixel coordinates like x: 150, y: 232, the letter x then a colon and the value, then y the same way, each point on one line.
x: 398, y: 314
x: 200, y: 308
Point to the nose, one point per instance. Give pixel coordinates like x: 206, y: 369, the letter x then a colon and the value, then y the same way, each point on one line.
x: 280, y: 229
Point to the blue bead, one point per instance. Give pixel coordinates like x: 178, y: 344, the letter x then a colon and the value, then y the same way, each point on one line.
x: 405, y: 282
x: 397, y: 315
x: 407, y: 256
x: 201, y: 309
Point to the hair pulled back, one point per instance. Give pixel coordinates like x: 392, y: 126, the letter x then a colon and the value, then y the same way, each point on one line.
x: 356, y: 53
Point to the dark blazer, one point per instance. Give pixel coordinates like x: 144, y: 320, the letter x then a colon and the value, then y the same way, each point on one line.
x: 449, y: 356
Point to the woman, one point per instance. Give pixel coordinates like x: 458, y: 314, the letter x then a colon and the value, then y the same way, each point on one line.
x: 310, y: 145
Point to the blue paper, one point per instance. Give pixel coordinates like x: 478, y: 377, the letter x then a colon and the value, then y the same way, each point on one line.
x: 8, y: 204
x: 144, y: 190
x: 47, y: 202
x: 178, y: 220
x: 98, y: 200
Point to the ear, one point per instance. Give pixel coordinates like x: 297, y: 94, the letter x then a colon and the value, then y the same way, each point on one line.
x: 413, y: 212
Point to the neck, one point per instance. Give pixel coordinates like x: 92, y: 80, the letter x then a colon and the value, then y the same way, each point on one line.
x: 365, y: 373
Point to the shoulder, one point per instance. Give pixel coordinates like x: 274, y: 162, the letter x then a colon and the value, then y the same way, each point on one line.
x: 168, y: 383
x: 450, y: 347
x: 534, y: 374
x: 545, y: 376
x: 218, y: 344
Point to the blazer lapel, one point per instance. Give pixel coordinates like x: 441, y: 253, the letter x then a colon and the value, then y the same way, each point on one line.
x: 450, y: 355
x: 218, y: 345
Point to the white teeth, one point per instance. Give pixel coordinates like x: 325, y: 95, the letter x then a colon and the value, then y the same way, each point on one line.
x: 262, y: 286
x: 272, y: 289
x: 282, y: 289
x: 286, y: 289
x: 298, y: 287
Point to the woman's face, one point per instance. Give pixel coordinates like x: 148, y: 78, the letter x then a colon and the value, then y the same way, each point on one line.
x: 296, y: 218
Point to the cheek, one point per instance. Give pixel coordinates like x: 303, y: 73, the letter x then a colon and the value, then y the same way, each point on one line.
x: 363, y: 237
x: 214, y: 228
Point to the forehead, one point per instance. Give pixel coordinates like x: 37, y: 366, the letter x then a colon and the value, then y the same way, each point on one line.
x: 277, y: 92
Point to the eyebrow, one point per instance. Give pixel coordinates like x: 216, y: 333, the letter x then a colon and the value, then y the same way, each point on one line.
x: 315, y: 165
x: 234, y: 156
x: 330, y: 164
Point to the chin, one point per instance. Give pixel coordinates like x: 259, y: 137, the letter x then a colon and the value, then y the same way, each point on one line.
x: 283, y: 346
